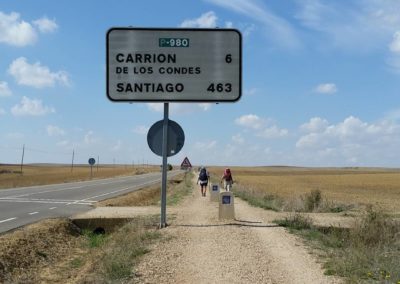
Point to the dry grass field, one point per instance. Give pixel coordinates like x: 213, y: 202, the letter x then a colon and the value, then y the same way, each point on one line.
x: 11, y: 176
x: 357, y: 186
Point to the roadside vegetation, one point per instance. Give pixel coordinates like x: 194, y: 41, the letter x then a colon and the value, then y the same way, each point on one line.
x: 312, y: 201
x: 368, y: 252
x: 178, y: 187
x: 56, y: 251
x: 113, y: 256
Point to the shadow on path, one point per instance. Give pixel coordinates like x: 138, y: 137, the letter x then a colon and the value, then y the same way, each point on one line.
x: 227, y: 224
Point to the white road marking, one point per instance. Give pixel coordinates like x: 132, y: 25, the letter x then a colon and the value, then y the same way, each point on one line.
x: 115, y: 191
x: 33, y: 213
x: 46, y: 191
x: 9, y: 219
x: 84, y: 183
x: 47, y: 202
x: 52, y: 208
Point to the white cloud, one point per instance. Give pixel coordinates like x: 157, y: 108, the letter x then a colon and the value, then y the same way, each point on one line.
x: 46, y: 25
x: 394, y: 62
x: 352, y: 131
x: 392, y: 115
x: 157, y: 107
x: 395, y: 44
x: 316, y: 124
x: 326, y: 88
x: 206, y: 20
x: 250, y: 121
x: 250, y: 92
x: 352, y: 142
x: 63, y: 143
x: 204, y: 146
x: 228, y: 24
x: 263, y: 127
x: 117, y: 146
x: 238, y: 139
x: 88, y: 138
x: 141, y: 129
x: 4, y: 89
x: 179, y: 108
x: 15, y: 135
x: 36, y: 75
x: 2, y: 111
x: 360, y: 27
x: 31, y: 107
x: 247, y: 29
x: 53, y: 130
x: 277, y: 28
x: 273, y: 132
x: 205, y: 106
x: 394, y: 59
x: 14, y: 31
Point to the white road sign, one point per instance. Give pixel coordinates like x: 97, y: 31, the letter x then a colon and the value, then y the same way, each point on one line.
x: 174, y: 65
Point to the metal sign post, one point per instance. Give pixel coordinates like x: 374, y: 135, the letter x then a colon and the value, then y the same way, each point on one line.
x: 91, y: 162
x: 163, y: 220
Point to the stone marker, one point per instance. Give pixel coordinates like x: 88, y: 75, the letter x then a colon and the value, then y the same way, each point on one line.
x: 226, y: 206
x: 214, y: 192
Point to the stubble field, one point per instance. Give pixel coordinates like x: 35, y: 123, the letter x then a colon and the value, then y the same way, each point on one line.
x: 11, y: 175
x: 351, y: 186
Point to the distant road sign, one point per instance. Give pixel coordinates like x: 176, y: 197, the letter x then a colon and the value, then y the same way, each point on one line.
x: 186, y: 163
x: 92, y: 161
x: 174, y: 65
x: 176, y: 138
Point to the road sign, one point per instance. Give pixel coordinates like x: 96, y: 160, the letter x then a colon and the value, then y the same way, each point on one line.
x: 186, y: 163
x: 174, y: 65
x: 92, y: 161
x: 176, y: 138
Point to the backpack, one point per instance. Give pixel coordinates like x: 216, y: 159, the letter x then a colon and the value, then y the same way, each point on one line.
x: 227, y: 175
x: 203, y: 175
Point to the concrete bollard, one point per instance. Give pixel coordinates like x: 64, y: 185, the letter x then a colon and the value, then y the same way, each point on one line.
x: 226, y: 206
x: 214, y: 193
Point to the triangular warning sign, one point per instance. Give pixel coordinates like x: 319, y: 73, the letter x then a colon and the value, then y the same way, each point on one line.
x: 186, y: 164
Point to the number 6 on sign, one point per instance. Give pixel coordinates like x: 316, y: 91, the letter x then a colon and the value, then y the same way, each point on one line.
x: 228, y: 58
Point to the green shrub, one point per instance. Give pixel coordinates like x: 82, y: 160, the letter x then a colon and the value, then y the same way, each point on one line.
x: 312, y: 200
x: 296, y: 221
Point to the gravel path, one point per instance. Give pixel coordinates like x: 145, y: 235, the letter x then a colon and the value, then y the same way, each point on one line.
x: 202, y: 249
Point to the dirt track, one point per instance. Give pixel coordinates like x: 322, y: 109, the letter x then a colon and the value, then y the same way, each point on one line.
x: 203, y: 249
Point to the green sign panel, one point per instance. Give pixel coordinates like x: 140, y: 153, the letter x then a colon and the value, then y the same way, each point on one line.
x: 173, y: 42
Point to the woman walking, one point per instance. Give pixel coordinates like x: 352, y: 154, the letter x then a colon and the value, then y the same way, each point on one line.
x: 228, y: 179
x: 203, y: 180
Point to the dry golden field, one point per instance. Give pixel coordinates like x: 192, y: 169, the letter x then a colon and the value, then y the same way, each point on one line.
x: 10, y: 175
x: 358, y: 186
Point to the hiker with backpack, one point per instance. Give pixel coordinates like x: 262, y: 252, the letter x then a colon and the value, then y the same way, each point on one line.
x: 227, y: 178
x: 203, y: 180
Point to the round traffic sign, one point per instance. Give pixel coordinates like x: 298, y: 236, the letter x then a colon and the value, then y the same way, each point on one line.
x: 176, y: 138
x: 92, y: 161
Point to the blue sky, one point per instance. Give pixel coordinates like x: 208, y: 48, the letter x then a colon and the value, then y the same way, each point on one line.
x: 321, y: 84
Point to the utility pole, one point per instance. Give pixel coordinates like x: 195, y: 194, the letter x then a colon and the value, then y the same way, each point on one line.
x: 22, y: 159
x: 72, y: 164
x: 98, y: 162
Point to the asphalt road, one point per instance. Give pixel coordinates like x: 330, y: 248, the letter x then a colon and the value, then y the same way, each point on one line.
x: 25, y: 205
